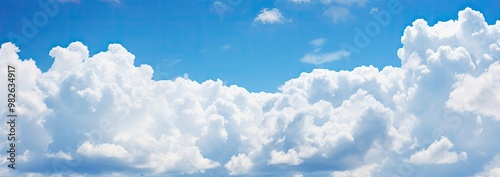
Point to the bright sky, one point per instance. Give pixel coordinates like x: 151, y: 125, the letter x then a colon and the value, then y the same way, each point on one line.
x: 210, y: 39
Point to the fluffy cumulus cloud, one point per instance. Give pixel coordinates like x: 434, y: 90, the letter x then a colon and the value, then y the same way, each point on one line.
x: 317, y: 57
x: 436, y: 115
x: 363, y: 171
x: 271, y: 16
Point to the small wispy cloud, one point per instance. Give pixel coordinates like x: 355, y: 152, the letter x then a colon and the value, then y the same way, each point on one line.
x: 318, y: 42
x: 318, y: 58
x: 338, y: 13
x: 272, y: 16
x: 299, y: 1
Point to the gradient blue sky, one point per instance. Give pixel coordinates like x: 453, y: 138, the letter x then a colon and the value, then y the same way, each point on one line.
x: 179, y: 36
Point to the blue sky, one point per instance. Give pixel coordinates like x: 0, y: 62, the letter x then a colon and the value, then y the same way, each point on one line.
x: 207, y: 42
x: 252, y: 88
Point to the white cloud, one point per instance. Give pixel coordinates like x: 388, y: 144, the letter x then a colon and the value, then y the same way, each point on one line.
x: 478, y: 94
x: 321, y: 58
x: 338, y: 14
x: 112, y: 1
x: 291, y: 157
x: 240, y: 164
x: 318, y: 42
x: 299, y: 1
x: 492, y: 168
x: 103, y: 110
x: 491, y: 173
x: 364, y: 171
x: 272, y: 16
x: 438, y: 153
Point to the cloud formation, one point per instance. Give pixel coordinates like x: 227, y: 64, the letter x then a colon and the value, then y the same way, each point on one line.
x: 102, y: 114
x: 319, y: 58
x: 345, y: 2
x: 438, y: 153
